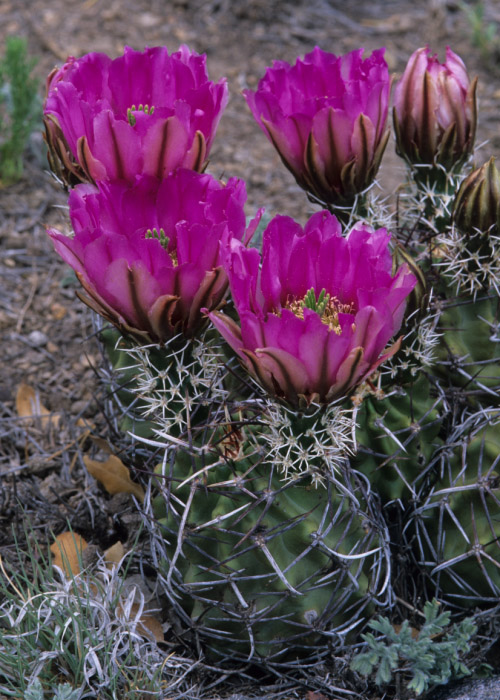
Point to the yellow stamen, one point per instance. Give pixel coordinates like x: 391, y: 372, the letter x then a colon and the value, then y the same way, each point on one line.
x: 329, y: 314
x: 164, y: 242
x: 142, y: 108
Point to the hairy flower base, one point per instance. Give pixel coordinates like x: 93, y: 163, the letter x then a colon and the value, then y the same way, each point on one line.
x: 310, y: 444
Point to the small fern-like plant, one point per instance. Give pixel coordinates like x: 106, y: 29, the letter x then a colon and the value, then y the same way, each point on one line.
x: 424, y: 658
x: 20, y: 107
x: 63, y: 691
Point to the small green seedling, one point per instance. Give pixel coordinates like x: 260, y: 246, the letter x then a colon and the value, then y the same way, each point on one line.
x: 484, y: 34
x: 20, y: 108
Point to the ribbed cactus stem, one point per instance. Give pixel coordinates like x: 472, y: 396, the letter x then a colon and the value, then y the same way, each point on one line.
x: 428, y: 198
x: 167, y: 390
x: 472, y: 262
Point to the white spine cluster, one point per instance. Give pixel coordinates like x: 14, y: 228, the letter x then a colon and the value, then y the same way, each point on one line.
x: 418, y: 347
x: 314, y: 444
x: 370, y: 208
x: 170, y: 381
x: 472, y: 261
x: 427, y: 203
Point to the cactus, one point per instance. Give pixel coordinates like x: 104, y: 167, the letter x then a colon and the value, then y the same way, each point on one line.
x: 328, y: 448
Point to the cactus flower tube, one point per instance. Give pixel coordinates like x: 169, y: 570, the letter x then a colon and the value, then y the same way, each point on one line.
x: 326, y: 116
x: 150, y: 255
x: 435, y: 110
x: 316, y: 317
x: 471, y: 246
x: 146, y: 112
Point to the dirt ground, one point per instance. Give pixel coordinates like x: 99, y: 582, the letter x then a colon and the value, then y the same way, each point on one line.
x: 45, y: 332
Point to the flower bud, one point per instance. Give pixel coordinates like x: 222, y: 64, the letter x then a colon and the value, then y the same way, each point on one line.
x: 435, y: 110
x: 477, y: 204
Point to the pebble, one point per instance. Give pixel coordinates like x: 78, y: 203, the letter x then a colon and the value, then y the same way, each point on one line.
x: 37, y: 339
x: 481, y: 689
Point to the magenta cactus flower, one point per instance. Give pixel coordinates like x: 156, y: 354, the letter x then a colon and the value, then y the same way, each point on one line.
x: 146, y: 112
x: 149, y: 255
x: 435, y: 110
x: 327, y: 118
x: 316, y: 317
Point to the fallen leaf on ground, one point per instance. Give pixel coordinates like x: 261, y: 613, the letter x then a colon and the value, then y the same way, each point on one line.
x: 67, y: 552
x: 114, y: 476
x: 102, y: 444
x: 58, y: 311
x: 151, y: 627
x: 148, y: 626
x: 114, y: 554
x: 29, y: 405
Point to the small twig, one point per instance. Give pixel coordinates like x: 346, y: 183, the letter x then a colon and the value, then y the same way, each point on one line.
x: 27, y: 305
x: 410, y: 607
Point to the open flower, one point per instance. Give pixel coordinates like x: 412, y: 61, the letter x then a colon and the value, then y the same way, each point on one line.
x: 326, y: 116
x: 146, y: 112
x: 150, y: 255
x: 435, y: 110
x: 316, y: 317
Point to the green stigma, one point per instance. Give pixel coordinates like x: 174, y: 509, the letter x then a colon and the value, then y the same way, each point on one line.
x: 319, y: 305
x: 159, y: 235
x: 141, y: 108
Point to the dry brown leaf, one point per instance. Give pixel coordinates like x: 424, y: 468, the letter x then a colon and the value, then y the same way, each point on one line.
x: 102, y: 444
x: 114, y: 476
x: 148, y: 625
x: 67, y: 552
x: 58, y: 311
x: 414, y: 631
x: 151, y: 627
x: 114, y: 554
x: 29, y: 405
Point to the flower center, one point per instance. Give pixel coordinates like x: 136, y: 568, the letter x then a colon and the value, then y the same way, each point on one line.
x: 141, y: 108
x: 164, y: 242
x: 327, y: 307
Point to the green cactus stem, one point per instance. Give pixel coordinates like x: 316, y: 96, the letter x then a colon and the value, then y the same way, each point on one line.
x: 259, y: 567
x: 456, y: 528
x: 397, y: 436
